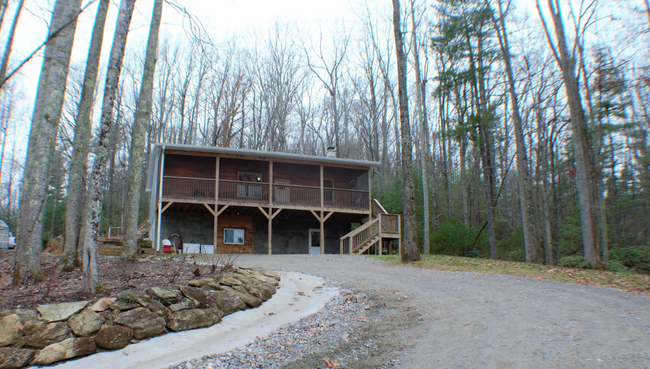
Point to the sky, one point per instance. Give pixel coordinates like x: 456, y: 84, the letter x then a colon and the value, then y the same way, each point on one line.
x: 221, y: 19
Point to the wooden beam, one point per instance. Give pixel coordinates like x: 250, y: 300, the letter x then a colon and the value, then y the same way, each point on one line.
x: 216, y: 184
x: 270, y: 231
x: 270, y: 185
x: 276, y: 213
x: 215, y: 231
x: 322, y: 233
x: 222, y: 209
x: 328, y: 216
x: 264, y: 212
x: 209, y: 209
x: 322, y: 191
x: 166, y: 206
x: 316, y: 215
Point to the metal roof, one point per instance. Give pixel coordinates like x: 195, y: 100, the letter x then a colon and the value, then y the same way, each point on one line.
x: 267, y: 155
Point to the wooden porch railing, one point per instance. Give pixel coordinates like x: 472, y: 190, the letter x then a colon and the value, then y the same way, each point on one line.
x: 296, y: 195
x: 188, y: 188
x: 258, y: 192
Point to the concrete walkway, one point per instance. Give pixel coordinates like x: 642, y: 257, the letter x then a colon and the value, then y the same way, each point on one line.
x: 288, y: 305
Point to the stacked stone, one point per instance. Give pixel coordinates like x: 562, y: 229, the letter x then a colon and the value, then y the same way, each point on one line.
x: 57, y: 332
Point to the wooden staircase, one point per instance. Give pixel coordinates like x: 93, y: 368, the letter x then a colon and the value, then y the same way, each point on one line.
x: 372, y: 233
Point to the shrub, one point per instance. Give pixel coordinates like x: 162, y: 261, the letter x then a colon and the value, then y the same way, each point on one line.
x: 127, y: 297
x: 450, y: 238
x: 616, y: 267
x: 575, y: 261
x: 633, y: 257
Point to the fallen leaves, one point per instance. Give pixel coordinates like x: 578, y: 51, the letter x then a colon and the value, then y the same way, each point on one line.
x: 330, y: 363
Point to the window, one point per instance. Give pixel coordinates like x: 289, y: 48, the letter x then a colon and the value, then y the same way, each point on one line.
x: 246, y: 190
x: 233, y: 236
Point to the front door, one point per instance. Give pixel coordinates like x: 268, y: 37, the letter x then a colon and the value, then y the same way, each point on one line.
x: 314, y: 241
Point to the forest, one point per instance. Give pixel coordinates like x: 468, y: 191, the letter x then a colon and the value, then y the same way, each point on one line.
x: 504, y: 129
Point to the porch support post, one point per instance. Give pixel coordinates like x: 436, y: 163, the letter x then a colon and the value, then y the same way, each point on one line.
x: 369, y: 193
x: 321, y: 219
x: 270, y: 231
x: 216, y: 220
x: 322, y: 200
x: 270, y: 188
x: 322, y: 225
x: 270, y: 215
x: 159, y: 207
x: 216, y: 185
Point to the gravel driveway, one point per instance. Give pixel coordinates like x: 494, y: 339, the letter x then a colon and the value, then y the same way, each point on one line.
x: 435, y: 319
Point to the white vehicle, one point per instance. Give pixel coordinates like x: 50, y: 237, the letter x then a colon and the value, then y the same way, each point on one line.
x: 12, y: 241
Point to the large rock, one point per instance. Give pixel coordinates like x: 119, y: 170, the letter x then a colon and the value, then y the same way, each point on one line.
x: 193, y: 283
x: 143, y: 321
x: 14, y: 358
x: 214, y: 314
x: 271, y: 274
x: 197, y: 296
x: 68, y: 349
x: 60, y: 312
x: 123, y: 306
x: 38, y: 334
x: 155, y: 306
x: 85, y: 323
x: 102, y: 304
x: 10, y: 327
x: 227, y: 301
x: 258, y: 276
x: 114, y: 337
x: 189, y: 319
x: 247, y: 298
x: 229, y: 280
x: 256, y: 288
x: 166, y: 295
x: 183, y: 305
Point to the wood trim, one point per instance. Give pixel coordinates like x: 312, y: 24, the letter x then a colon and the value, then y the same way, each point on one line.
x: 166, y: 206
x: 270, y: 185
x: 264, y: 211
x: 322, y: 230
x: 209, y: 209
x: 216, y: 182
x: 222, y: 209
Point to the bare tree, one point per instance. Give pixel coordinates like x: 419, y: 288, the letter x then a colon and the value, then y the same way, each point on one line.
x: 81, y: 144
x: 45, y: 123
x: 410, y: 250
x: 141, y: 119
x: 583, y: 156
x: 10, y: 39
x: 523, y: 176
x: 92, y: 215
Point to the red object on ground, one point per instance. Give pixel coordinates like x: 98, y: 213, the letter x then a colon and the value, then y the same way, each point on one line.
x: 167, y: 249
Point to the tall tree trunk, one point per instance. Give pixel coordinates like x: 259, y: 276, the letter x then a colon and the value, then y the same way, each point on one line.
x: 81, y: 143
x: 92, y: 215
x: 410, y: 250
x: 581, y: 148
x: 523, y: 176
x: 420, y: 96
x: 42, y: 138
x: 138, y: 136
x: 10, y: 41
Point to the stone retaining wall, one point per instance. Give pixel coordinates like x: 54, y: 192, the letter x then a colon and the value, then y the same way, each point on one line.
x: 57, y: 332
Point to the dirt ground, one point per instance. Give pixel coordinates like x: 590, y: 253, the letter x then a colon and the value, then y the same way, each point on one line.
x: 115, y: 276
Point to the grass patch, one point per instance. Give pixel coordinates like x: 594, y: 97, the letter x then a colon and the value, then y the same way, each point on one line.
x: 628, y: 282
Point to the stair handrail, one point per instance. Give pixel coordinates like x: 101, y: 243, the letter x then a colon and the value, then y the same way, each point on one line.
x: 361, y: 228
x: 377, y: 206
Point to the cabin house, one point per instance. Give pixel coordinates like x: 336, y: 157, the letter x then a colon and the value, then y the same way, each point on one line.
x: 212, y: 199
